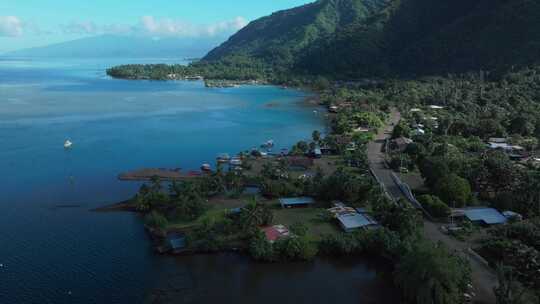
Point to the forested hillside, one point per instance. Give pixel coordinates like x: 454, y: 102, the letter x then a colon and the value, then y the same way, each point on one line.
x: 356, y: 38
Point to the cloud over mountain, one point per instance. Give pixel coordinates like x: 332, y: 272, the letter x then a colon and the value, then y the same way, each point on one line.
x: 158, y: 27
x: 10, y: 26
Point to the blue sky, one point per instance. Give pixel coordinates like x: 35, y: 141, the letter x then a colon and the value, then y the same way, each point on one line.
x: 30, y: 23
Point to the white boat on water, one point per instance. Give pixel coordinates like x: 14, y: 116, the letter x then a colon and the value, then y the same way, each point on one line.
x: 68, y: 144
x: 268, y: 144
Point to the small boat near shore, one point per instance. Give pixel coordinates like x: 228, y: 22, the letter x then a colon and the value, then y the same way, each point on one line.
x: 223, y: 158
x: 269, y: 144
x: 206, y: 167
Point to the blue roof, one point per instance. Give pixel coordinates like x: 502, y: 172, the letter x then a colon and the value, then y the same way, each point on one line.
x: 489, y: 216
x: 296, y: 201
x: 353, y: 221
x: 235, y: 210
x: 177, y: 241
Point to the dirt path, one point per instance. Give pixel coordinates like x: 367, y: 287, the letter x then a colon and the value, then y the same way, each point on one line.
x: 484, y: 280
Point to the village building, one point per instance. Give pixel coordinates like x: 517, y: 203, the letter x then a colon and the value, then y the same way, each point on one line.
x: 276, y: 232
x: 294, y: 202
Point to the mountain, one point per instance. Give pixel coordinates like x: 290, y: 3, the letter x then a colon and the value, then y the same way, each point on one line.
x: 123, y: 46
x: 356, y: 38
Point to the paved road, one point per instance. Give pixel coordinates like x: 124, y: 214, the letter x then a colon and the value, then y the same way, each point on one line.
x: 483, y: 277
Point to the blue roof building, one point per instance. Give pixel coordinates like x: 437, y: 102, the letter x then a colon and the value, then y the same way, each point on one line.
x: 485, y: 216
x: 296, y: 202
x: 176, y: 241
x: 353, y: 221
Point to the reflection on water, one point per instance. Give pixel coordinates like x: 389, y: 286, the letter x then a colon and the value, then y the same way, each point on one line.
x: 233, y: 278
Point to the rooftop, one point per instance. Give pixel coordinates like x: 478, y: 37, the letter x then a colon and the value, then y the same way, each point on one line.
x: 273, y: 233
x: 296, y: 201
x: 488, y: 216
x: 355, y: 220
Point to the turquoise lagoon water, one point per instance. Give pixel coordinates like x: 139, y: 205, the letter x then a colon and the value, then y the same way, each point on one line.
x: 52, y: 249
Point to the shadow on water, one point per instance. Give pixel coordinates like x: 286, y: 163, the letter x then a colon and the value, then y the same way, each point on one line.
x: 232, y: 277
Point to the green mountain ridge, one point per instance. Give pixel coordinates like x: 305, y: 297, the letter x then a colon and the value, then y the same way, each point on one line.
x: 358, y: 38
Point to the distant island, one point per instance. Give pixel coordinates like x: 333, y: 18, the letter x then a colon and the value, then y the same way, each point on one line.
x: 434, y: 143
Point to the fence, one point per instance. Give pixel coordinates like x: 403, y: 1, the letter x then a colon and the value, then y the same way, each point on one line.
x: 407, y: 192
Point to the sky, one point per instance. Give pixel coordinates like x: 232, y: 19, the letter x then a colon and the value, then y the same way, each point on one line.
x: 32, y: 23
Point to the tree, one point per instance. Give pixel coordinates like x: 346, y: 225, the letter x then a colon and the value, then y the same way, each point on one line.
x: 255, y: 214
x: 260, y: 249
x: 401, y: 130
x: 156, y: 220
x: 509, y: 290
x: 401, y: 217
x: 429, y: 274
x: 316, y: 136
x: 434, y: 206
x: 454, y: 190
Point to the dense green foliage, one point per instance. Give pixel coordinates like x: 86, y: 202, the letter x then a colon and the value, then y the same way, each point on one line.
x: 434, y: 206
x: 430, y: 274
x: 348, y: 39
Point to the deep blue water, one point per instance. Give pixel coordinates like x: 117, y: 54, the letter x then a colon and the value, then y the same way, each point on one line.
x: 53, y: 254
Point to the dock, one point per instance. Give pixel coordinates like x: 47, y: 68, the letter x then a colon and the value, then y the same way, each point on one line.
x: 162, y: 174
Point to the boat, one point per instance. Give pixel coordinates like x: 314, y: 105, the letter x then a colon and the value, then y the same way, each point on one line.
x: 268, y: 144
x: 68, y: 144
x: 223, y: 158
x: 236, y: 161
x: 206, y: 167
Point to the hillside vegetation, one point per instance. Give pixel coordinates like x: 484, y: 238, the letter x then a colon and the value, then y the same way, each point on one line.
x: 357, y: 38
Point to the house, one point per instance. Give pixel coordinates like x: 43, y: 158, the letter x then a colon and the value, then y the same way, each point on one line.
x: 361, y: 130
x: 436, y: 107
x: 498, y: 140
x: 484, y: 216
x: 296, y: 202
x: 176, y: 242
x: 400, y: 144
x: 513, y: 151
x: 419, y: 132
x: 354, y: 221
x: 316, y: 153
x: 511, y: 215
x: 274, y: 233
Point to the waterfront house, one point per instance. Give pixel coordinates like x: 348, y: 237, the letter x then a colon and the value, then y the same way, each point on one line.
x: 176, y: 242
x: 276, y: 232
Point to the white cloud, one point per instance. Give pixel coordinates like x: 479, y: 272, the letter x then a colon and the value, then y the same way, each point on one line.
x: 82, y: 27
x: 11, y: 26
x: 157, y: 28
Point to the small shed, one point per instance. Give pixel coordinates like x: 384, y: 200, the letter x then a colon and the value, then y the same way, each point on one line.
x: 485, y: 216
x: 176, y: 241
x: 353, y: 221
x: 274, y: 233
x: 296, y: 202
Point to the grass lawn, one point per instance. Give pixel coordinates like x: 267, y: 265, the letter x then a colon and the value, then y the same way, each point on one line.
x: 307, y: 216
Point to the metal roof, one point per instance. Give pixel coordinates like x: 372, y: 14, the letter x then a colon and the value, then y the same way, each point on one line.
x: 353, y: 221
x: 296, y: 201
x: 489, y: 216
